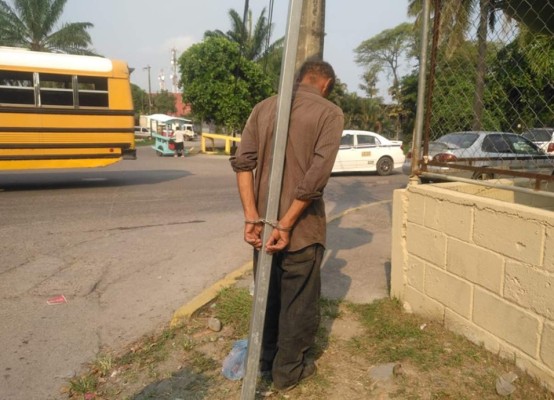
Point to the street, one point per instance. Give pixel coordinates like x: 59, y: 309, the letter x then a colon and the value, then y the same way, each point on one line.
x: 126, y: 246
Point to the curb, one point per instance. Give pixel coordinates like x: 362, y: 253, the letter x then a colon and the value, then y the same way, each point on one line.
x: 185, y: 312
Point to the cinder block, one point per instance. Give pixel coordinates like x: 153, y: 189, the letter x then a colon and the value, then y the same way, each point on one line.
x: 427, y: 244
x: 416, y: 208
x: 415, y: 272
x: 509, y: 234
x: 476, y: 264
x: 538, y: 370
x: 547, y: 346
x: 458, y: 324
x: 548, y: 262
x: 423, y: 305
x: 449, y: 290
x: 453, y: 219
x: 530, y: 288
x: 506, y: 320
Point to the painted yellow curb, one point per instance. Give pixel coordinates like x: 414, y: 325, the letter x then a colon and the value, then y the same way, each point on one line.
x: 208, y: 295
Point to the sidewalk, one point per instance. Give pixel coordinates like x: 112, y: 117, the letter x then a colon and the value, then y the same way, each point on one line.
x: 356, y: 267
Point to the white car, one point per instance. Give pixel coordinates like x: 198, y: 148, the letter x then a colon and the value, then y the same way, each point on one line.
x: 542, y: 137
x: 368, y: 151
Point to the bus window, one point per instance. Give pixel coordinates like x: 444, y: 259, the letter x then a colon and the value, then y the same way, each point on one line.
x: 16, y: 88
x: 93, y: 91
x: 55, y: 90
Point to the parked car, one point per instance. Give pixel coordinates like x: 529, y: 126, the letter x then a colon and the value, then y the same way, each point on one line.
x: 542, y: 137
x: 499, y: 150
x: 368, y: 151
x: 141, y: 131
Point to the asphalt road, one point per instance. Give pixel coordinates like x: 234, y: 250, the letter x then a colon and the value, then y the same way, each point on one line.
x: 126, y: 246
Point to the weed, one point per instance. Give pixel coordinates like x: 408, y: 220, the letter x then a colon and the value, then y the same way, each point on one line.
x: 103, y: 364
x: 83, y: 384
x: 187, y: 343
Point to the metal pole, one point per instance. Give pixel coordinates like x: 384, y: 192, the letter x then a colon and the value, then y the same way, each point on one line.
x: 416, y: 147
x: 275, y: 180
x: 149, y: 90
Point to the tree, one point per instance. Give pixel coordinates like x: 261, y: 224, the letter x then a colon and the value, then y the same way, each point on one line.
x: 455, y: 22
x: 383, y: 52
x: 254, y: 42
x: 525, y: 87
x: 221, y: 88
x: 140, y: 100
x: 164, y: 103
x: 31, y: 24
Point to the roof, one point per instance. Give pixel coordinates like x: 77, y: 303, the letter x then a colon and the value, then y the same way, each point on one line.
x: 165, y: 118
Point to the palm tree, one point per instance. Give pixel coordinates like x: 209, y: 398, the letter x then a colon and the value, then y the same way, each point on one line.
x: 254, y: 42
x: 31, y: 24
x: 454, y: 24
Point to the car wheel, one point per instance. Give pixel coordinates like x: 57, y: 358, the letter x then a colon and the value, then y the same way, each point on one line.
x: 160, y: 152
x: 482, y: 176
x: 384, y: 166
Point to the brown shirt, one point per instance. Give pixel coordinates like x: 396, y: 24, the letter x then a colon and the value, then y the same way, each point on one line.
x: 314, y: 135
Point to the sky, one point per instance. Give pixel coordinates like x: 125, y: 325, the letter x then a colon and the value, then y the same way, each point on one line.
x: 144, y: 32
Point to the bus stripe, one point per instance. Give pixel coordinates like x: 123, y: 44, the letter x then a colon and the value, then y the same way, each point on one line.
x: 62, y: 111
x: 64, y: 130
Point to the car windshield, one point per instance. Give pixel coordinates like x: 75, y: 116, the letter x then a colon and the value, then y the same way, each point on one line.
x: 458, y: 140
x: 538, y: 135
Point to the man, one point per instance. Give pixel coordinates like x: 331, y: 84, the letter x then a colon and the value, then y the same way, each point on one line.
x: 179, y: 143
x: 298, y: 237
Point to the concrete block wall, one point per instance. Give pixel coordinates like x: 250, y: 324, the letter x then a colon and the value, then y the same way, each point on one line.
x: 483, y: 267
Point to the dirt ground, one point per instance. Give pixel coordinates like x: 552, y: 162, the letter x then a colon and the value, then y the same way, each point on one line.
x: 425, y: 361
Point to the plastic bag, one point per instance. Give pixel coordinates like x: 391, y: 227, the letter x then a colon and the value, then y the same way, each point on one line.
x: 234, y: 365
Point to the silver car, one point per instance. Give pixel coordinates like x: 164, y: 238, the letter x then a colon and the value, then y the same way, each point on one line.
x: 498, y: 150
x: 542, y: 137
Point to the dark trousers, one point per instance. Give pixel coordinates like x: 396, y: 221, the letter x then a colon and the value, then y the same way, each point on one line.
x: 292, y: 316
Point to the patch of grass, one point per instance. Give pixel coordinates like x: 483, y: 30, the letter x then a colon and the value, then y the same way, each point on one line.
x: 201, y: 363
x: 103, y: 364
x: 233, y: 308
x: 83, y: 384
x: 330, y: 308
x: 435, y: 363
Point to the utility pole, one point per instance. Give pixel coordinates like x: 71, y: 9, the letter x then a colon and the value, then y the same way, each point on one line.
x: 312, y: 32
x: 149, y: 90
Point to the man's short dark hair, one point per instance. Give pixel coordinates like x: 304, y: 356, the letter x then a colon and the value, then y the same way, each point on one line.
x: 318, y: 68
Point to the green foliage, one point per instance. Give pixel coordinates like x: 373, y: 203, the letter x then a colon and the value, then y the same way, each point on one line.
x: 140, y: 100
x: 30, y: 24
x: 163, y: 103
x: 221, y: 86
x: 359, y: 112
x: 525, y: 84
x: 385, y: 51
x: 233, y: 308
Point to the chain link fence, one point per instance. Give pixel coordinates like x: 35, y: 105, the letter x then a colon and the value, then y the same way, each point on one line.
x: 489, y: 94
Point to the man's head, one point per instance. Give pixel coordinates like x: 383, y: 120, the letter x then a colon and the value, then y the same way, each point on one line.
x: 319, y: 74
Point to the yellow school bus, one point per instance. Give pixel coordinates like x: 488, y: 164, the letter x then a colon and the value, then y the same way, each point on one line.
x: 63, y: 111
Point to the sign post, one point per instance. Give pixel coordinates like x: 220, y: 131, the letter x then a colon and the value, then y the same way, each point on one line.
x: 275, y: 181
